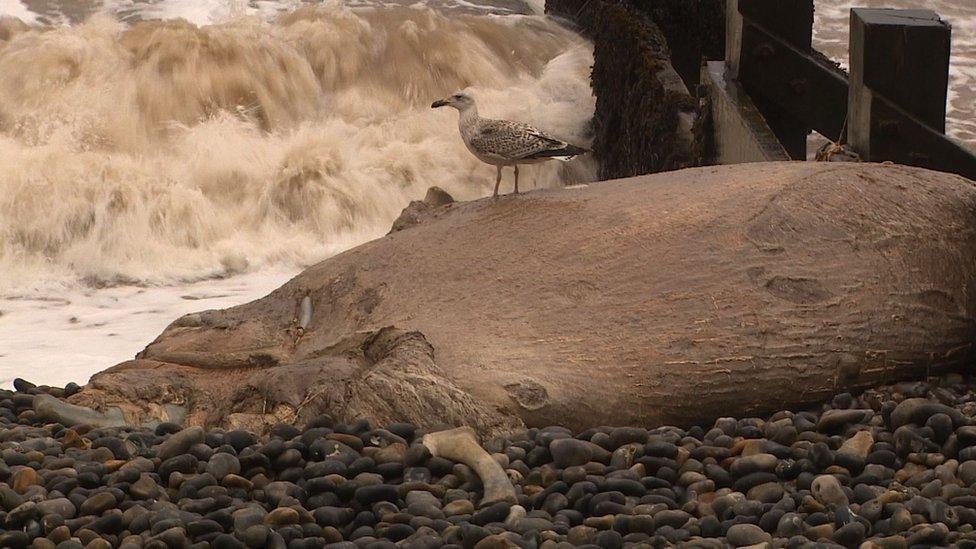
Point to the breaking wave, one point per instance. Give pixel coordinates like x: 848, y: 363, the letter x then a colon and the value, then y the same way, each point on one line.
x: 163, y: 151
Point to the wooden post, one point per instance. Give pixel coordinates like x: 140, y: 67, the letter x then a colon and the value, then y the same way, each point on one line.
x: 752, y: 50
x: 899, y: 60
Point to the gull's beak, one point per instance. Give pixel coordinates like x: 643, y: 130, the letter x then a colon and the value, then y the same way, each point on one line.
x: 438, y: 103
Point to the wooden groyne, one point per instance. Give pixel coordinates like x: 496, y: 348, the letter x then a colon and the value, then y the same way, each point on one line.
x: 744, y: 78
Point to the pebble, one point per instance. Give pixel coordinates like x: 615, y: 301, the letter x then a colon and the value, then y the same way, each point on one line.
x: 459, y: 507
x: 828, y: 491
x: 282, y: 516
x: 919, y: 410
x: 98, y: 503
x: 178, y: 443
x: 567, y: 452
x: 497, y: 541
x: 770, y: 492
x: 145, y: 488
x: 858, y: 445
x: 394, y: 453
x: 222, y: 464
x: 744, y: 535
x: 23, y: 479
x: 967, y: 472
x: 754, y: 463
x: 61, y: 507
x: 834, y: 420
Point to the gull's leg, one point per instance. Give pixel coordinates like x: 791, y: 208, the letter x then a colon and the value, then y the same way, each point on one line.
x: 498, y: 181
x: 516, y: 179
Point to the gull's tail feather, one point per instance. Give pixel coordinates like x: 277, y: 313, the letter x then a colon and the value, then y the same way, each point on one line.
x: 564, y: 153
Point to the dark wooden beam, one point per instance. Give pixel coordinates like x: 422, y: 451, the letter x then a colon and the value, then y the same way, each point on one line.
x: 902, y: 55
x: 899, y: 82
x: 768, y: 50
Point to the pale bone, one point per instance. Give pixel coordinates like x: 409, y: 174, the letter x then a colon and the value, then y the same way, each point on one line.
x: 305, y: 312
x: 461, y: 445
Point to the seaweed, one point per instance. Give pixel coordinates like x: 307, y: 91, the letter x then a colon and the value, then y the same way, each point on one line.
x: 636, y: 120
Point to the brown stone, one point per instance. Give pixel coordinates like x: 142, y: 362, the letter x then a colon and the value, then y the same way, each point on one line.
x: 828, y: 491
x: 24, y: 478
x: 145, y: 488
x: 368, y: 479
x: 98, y: 543
x: 890, y: 542
x: 282, y: 516
x: 336, y: 479
x: 59, y: 534
x: 858, y: 445
x: 498, y: 541
x: 351, y: 441
x: 909, y: 470
x: 751, y: 447
x: 86, y: 535
x: 581, y: 535
x: 237, y: 481
x: 769, y: 492
x: 501, y: 459
x: 702, y: 487
x: 73, y: 440
x: 331, y: 534
x: 459, y: 507
x: 600, y: 523
x: 43, y: 543
x: 403, y: 489
x: 391, y: 454
x: 837, y: 470
x: 811, y: 505
x: 815, y: 533
x: 102, y: 455
x: 901, y: 520
x: 891, y: 496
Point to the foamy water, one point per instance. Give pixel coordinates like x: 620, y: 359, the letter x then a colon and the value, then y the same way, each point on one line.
x: 143, y: 161
x: 59, y: 337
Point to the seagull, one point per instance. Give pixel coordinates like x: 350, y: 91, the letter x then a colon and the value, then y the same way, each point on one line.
x: 502, y: 142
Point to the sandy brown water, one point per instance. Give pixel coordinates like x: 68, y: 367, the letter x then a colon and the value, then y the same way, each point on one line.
x: 151, y: 166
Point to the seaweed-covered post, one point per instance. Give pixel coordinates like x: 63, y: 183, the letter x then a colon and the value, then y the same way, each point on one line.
x: 901, y: 56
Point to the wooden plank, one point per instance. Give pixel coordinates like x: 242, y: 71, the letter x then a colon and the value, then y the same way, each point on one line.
x: 741, y: 133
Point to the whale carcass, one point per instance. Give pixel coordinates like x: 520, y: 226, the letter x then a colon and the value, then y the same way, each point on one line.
x: 666, y: 299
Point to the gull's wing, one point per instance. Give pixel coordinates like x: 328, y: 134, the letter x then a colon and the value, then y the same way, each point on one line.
x: 514, y: 140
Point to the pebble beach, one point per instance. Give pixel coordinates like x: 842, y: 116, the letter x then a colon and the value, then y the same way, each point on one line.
x: 892, y: 467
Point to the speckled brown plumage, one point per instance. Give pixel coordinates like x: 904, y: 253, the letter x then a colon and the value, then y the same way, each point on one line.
x: 503, y: 142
